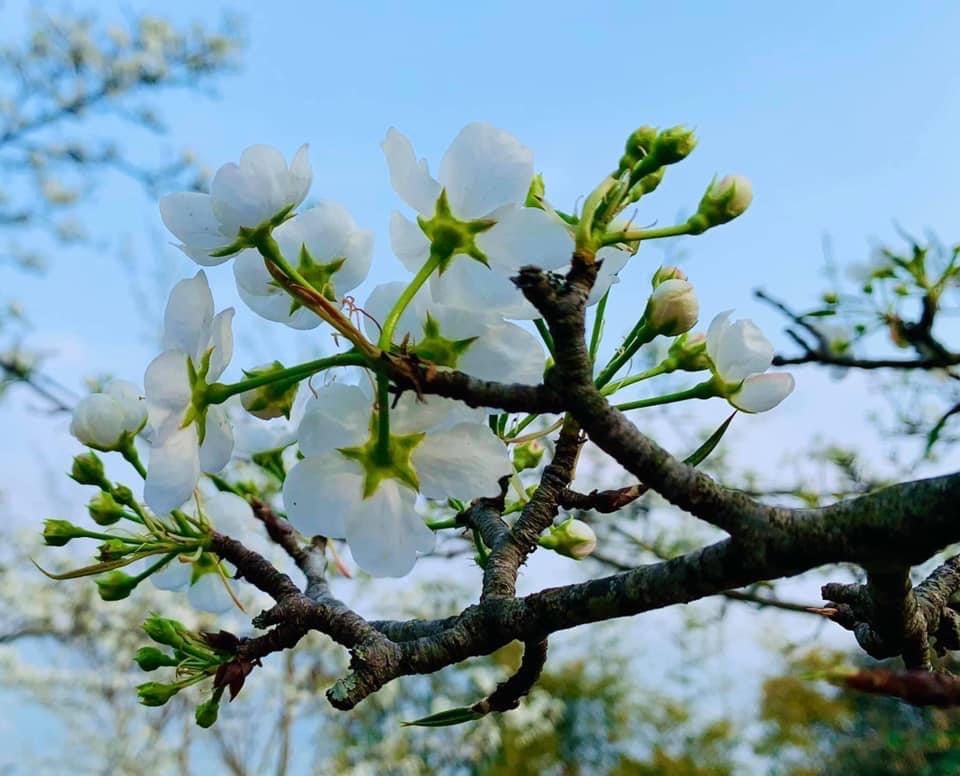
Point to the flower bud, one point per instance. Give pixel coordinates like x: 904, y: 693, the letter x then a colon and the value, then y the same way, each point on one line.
x: 165, y: 631
x: 116, y: 585
x: 572, y: 538
x: 88, y: 470
x: 527, y: 455
x: 112, y: 549
x: 637, y: 147
x: 155, y: 693
x: 104, y: 510
x: 663, y: 274
x: 206, y: 713
x: 673, y: 308
x: 674, y: 144
x: 688, y: 353
x: 106, y: 421
x: 57, y: 533
x: 272, y: 400
x: 724, y: 200
x: 123, y: 495
x: 151, y: 658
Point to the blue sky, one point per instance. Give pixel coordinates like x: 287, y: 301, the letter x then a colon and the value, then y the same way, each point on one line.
x: 844, y: 115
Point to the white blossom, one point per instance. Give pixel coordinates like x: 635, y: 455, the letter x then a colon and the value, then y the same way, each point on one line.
x: 244, y: 195
x: 185, y: 442
x: 740, y: 354
x: 673, y: 307
x: 102, y: 420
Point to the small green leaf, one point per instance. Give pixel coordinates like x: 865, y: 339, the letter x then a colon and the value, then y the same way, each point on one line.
x: 699, y: 455
x: 446, y: 718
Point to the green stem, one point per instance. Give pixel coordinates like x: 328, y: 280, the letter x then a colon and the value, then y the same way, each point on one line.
x: 383, y: 418
x: 156, y: 566
x: 447, y: 522
x: 598, y: 325
x: 635, y: 235
x: 393, y: 317
x: 129, y: 452
x: 664, y: 367
x: 546, y: 336
x: 217, y: 393
x: 636, y: 339
x: 704, y: 390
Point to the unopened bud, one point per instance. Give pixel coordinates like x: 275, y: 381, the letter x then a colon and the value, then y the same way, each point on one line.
x: 116, y: 585
x: 724, y: 200
x: 88, y: 470
x: 688, y: 353
x: 664, y: 274
x: 206, y: 713
x: 112, y: 549
x: 637, y: 147
x: 57, y: 533
x: 674, y: 144
x: 108, y: 420
x: 673, y: 308
x: 155, y: 693
x: 527, y: 455
x: 572, y: 538
x: 151, y: 658
x: 104, y: 510
x: 165, y: 631
x: 272, y: 400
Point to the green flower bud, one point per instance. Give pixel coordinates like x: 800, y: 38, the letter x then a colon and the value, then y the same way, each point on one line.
x: 116, y: 585
x: 637, y: 147
x: 831, y: 297
x: 151, y: 658
x: 206, y: 713
x: 688, y: 352
x: 165, y: 631
x: 155, y: 693
x: 88, y: 470
x: 674, y: 144
x: 663, y: 274
x: 57, y: 533
x: 104, y: 510
x: 112, y: 549
x: 272, y: 400
x: 572, y: 538
x: 527, y: 455
x: 724, y: 200
x: 123, y: 495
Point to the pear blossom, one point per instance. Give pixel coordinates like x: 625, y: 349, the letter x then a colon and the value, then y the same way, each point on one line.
x: 339, y: 492
x: 740, y: 355
x: 325, y: 246
x: 105, y: 420
x: 204, y: 576
x: 187, y: 440
x: 478, y: 343
x: 673, y: 307
x: 260, y: 189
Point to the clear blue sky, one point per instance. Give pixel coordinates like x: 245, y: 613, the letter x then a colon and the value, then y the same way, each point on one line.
x: 845, y: 116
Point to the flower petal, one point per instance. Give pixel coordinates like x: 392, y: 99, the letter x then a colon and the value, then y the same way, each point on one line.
x: 382, y: 300
x: 408, y: 242
x: 209, y: 594
x: 319, y: 492
x: 300, y: 176
x: 189, y: 215
x: 464, y: 462
x: 217, y: 444
x: 470, y: 285
x: 174, y: 576
x: 167, y: 386
x: 385, y: 532
x: 338, y: 416
x: 505, y: 353
x: 187, y: 317
x: 221, y: 340
x: 743, y: 350
x: 526, y: 235
x: 760, y: 393
x: 174, y: 470
x: 483, y: 169
x: 410, y: 179
x: 614, y: 260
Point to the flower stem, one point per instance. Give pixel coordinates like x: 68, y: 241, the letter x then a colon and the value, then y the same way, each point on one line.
x: 393, y: 317
x: 545, y: 335
x: 637, y: 338
x: 704, y: 390
x: 217, y: 393
x: 447, y: 522
x: 383, y: 418
x: 664, y: 367
x: 612, y: 238
x: 129, y: 452
x: 598, y: 325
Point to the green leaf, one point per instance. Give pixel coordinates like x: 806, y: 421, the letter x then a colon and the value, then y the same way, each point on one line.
x: 699, y: 455
x: 446, y: 718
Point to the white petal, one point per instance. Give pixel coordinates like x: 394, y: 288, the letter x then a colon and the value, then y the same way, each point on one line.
x: 209, y: 594
x: 483, y: 169
x: 505, y: 353
x: 174, y: 576
x: 324, y: 229
x: 385, y: 532
x: 187, y: 318
x: 715, y: 333
x: 743, y: 350
x: 251, y: 274
x: 614, y: 260
x: 173, y: 471
x: 463, y: 462
x: 217, y: 444
x: 131, y: 399
x: 457, y: 323
x: 229, y: 513
x: 166, y: 385
x: 189, y: 215
x: 410, y: 179
x: 526, y: 236
x: 318, y: 493
x: 379, y: 304
x: 412, y: 415
x: 98, y: 421
x: 300, y: 176
x: 339, y: 416
x: 760, y: 393
x: 221, y: 340
x: 275, y: 306
x: 470, y: 285
x: 408, y: 242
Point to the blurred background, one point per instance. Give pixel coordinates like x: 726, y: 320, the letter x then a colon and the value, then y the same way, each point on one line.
x: 844, y: 117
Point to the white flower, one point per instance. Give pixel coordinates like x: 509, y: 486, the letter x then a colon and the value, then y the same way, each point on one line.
x: 485, y: 174
x: 740, y: 354
x: 479, y: 344
x: 185, y: 442
x: 673, y: 307
x: 245, y: 195
x: 201, y: 575
x: 102, y: 420
x: 336, y: 491
x: 325, y: 246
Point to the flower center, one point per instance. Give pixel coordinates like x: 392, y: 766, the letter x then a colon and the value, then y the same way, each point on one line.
x: 450, y: 236
x: 390, y: 462
x: 433, y: 346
